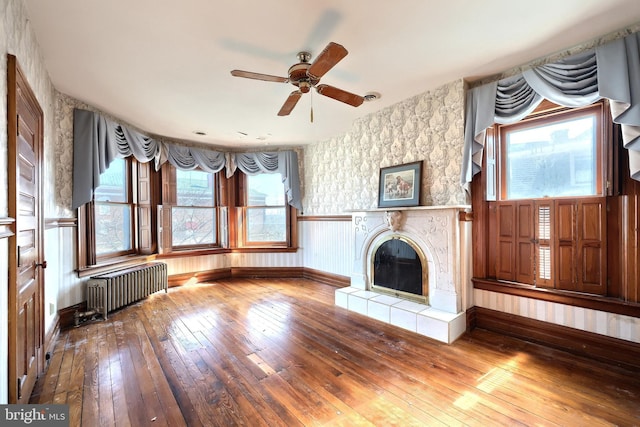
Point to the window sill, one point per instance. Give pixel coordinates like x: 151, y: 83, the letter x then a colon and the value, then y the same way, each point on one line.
x: 114, y: 264
x: 594, y: 302
x: 192, y: 252
x: 263, y: 249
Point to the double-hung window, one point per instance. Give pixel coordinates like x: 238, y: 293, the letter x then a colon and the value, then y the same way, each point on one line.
x: 118, y: 223
x: 114, y: 211
x: 194, y: 217
x: 265, y: 214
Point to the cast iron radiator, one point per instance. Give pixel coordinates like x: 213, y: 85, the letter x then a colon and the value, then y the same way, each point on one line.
x: 110, y: 291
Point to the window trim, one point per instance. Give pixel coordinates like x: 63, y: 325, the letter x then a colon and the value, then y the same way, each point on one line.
x: 168, y: 201
x: 87, y: 261
x: 172, y: 174
x: 131, y: 201
x: 242, y: 243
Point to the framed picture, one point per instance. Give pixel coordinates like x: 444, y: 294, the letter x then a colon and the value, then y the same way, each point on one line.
x: 400, y: 185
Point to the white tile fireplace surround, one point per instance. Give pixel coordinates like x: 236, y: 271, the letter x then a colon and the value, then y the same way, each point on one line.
x: 443, y: 235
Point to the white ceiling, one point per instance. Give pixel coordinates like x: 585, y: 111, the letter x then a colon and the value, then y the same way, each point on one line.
x: 164, y: 66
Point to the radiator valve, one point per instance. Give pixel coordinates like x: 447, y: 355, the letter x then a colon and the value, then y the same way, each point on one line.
x: 77, y: 316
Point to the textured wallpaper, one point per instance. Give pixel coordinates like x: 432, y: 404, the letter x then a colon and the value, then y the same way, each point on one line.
x: 427, y: 127
x: 17, y: 39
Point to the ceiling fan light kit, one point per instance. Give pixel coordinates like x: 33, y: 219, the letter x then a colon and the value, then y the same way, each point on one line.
x: 305, y: 75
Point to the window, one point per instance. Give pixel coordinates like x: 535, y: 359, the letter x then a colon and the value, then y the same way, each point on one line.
x: 265, y: 214
x: 194, y: 216
x: 113, y: 211
x: 545, y: 200
x: 176, y: 213
x: 119, y: 223
x: 190, y: 213
x: 557, y: 156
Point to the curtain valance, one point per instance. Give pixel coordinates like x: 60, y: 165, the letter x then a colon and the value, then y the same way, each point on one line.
x: 283, y: 162
x: 610, y: 71
x: 97, y: 141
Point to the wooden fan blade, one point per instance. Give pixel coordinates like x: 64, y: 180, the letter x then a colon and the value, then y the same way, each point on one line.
x: 258, y: 76
x: 291, y: 102
x: 330, y: 56
x: 340, y: 95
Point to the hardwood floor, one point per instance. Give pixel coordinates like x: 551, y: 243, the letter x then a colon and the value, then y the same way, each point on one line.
x: 279, y: 353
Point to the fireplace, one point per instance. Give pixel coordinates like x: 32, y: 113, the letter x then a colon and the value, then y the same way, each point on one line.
x: 399, y: 268
x: 440, y: 236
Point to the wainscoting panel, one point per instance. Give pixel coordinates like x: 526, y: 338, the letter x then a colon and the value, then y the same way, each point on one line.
x: 191, y: 264
x: 327, y: 245
x: 266, y: 259
x: 599, y: 322
x: 63, y: 288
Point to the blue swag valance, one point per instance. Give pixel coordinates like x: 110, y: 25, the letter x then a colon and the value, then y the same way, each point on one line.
x: 97, y: 141
x: 610, y: 71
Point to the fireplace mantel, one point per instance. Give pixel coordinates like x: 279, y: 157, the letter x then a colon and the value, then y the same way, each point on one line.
x: 443, y: 233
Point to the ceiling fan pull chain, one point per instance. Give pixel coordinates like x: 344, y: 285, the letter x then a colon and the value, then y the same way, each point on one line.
x: 311, y: 106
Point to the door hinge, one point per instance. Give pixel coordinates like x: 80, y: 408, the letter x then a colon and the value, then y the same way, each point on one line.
x: 19, y: 384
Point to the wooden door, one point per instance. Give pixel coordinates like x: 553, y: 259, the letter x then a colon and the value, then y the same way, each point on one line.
x: 26, y: 279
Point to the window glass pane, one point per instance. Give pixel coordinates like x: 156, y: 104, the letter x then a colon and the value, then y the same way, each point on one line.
x: 113, y: 228
x: 552, y: 160
x: 265, y: 190
x: 194, y: 188
x: 266, y: 224
x: 193, y: 226
x: 113, y: 183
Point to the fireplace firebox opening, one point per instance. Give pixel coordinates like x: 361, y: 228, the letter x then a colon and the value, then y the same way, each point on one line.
x: 399, y: 268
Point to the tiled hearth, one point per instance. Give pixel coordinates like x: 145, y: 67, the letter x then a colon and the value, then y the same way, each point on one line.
x: 443, y: 235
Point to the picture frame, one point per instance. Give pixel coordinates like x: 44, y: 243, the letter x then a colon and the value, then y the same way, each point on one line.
x: 399, y: 185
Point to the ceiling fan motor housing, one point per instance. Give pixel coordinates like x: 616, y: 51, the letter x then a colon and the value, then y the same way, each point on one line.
x: 298, y: 77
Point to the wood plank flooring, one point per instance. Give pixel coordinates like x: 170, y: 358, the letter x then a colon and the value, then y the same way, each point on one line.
x: 279, y: 353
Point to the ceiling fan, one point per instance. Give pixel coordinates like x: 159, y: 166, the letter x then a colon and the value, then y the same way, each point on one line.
x: 306, y: 75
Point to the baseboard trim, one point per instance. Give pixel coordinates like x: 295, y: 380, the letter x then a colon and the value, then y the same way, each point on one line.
x: 582, y: 343
x: 199, y: 277
x: 266, y: 272
x: 259, y: 272
x: 336, y: 280
x: 52, y: 336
